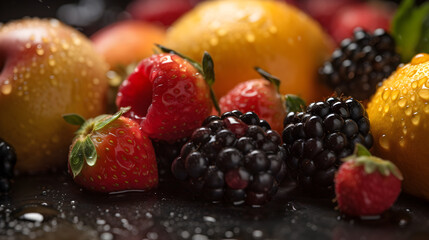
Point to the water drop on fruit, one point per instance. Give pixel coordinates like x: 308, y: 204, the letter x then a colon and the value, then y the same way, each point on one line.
x: 386, y: 93
x: 250, y: 37
x: 384, y: 142
x: 420, y: 58
x: 395, y: 94
x: 40, y: 51
x: 6, y: 88
x: 402, y: 102
x: 424, y: 93
x: 401, y: 141
x: 414, y: 84
x: 415, y: 120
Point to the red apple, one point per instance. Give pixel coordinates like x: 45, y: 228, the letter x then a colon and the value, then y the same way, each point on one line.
x: 46, y: 69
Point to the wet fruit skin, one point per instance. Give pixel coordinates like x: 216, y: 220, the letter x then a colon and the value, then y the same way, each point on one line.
x: 126, y: 42
x: 243, y: 34
x: 167, y: 95
x: 47, y: 69
x: 399, y: 115
x: 125, y: 159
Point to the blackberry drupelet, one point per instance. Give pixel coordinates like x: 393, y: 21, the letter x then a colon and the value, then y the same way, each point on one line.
x: 234, y: 158
x: 7, y: 163
x: 317, y: 139
x: 360, y: 64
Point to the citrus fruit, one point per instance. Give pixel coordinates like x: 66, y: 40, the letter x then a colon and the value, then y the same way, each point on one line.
x: 399, y: 116
x: 240, y: 35
x: 46, y: 69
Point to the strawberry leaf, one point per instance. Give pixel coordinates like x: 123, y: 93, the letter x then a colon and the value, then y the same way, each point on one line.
x: 209, y: 76
x: 294, y: 103
x: 269, y: 77
x: 74, y: 119
x: 410, y: 29
x: 89, y: 151
x: 192, y: 62
x: 105, y: 122
x: 361, y: 150
x: 76, y: 158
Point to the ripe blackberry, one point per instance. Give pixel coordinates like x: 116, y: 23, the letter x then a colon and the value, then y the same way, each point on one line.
x: 360, y: 64
x: 234, y: 158
x: 7, y: 163
x: 317, y: 139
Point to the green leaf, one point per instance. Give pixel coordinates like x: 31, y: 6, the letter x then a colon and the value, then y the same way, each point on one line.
x: 361, y: 150
x: 208, y: 68
x: 294, y: 103
x: 103, y: 123
x: 76, y: 158
x: 192, y: 62
x: 74, y: 119
x: 89, y: 151
x: 409, y: 29
x: 269, y: 77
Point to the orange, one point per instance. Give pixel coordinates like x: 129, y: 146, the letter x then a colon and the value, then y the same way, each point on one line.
x: 399, y: 116
x: 240, y: 35
x: 46, y: 69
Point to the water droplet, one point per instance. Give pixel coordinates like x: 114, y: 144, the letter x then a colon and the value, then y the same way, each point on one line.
x: 401, y: 141
x: 257, y: 234
x: 405, y: 130
x: 106, y: 236
x: 273, y: 29
x: 402, y: 102
x: 209, y: 219
x: 386, y: 108
x: 214, y: 41
x: 415, y: 120
x: 386, y: 93
x: 395, y: 94
x: 40, y: 51
x: 250, y: 37
x: 408, y: 111
x: 6, y: 88
x: 426, y: 109
x: 412, y: 73
x: 384, y: 142
x: 35, y: 213
x: 424, y: 93
x: 414, y: 84
x: 420, y: 58
x: 222, y: 32
x: 51, y: 61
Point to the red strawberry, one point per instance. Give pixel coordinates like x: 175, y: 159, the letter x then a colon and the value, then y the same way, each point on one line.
x: 260, y: 96
x: 109, y: 154
x: 168, y: 95
x: 366, y: 185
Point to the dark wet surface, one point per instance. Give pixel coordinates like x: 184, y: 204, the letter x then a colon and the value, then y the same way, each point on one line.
x: 51, y: 206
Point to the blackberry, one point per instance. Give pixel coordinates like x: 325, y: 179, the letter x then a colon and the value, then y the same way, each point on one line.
x: 234, y: 158
x: 317, y: 139
x: 7, y: 163
x: 360, y: 64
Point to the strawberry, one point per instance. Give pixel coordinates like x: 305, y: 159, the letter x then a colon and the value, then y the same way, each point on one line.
x: 260, y: 96
x: 366, y: 185
x: 168, y: 95
x: 109, y: 154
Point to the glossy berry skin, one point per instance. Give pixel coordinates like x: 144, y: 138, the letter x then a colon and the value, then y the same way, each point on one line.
x: 258, y: 96
x: 7, y: 164
x: 234, y: 158
x: 167, y: 95
x: 360, y: 64
x: 316, y: 140
x: 361, y: 194
x: 125, y: 159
